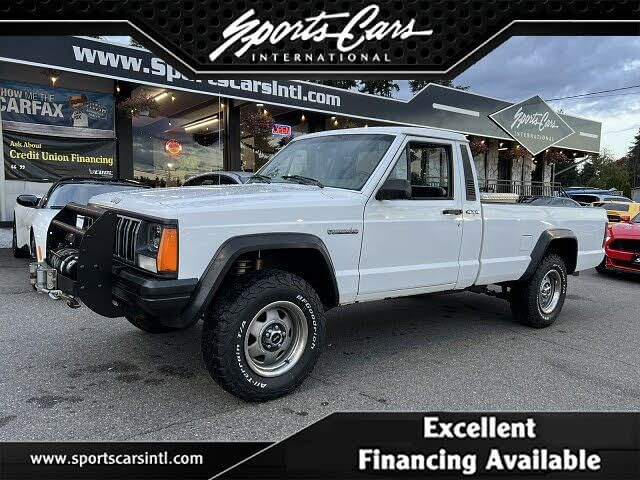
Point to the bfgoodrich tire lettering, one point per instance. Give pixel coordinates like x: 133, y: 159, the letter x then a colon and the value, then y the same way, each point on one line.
x: 228, y: 325
x: 534, y: 302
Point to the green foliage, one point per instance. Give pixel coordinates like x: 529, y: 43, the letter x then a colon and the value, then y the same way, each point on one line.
x: 384, y: 88
x: 417, y: 85
x: 633, y: 161
x: 344, y: 84
x: 604, y: 171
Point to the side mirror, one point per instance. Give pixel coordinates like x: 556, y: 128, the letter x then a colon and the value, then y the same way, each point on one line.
x: 28, y: 201
x: 394, y: 189
x: 625, y: 218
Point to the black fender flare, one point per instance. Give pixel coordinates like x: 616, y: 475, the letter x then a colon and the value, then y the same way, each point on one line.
x: 233, y: 248
x: 542, y: 245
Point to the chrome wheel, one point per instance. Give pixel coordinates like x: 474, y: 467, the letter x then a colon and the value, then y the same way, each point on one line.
x: 550, y: 290
x: 275, y: 339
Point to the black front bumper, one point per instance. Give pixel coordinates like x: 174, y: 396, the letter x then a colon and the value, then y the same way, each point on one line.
x: 106, y: 285
x: 165, y: 299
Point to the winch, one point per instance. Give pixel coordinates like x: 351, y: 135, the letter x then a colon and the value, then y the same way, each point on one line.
x: 64, y: 260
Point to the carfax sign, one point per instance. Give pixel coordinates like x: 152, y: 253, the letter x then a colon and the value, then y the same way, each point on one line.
x: 39, y: 104
x: 533, y: 124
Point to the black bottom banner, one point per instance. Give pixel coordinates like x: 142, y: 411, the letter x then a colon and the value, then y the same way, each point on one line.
x: 366, y: 445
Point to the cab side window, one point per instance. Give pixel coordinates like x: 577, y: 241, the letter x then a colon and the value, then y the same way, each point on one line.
x: 428, y: 167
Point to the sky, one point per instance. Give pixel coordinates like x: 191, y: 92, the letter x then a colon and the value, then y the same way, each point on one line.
x: 554, y: 67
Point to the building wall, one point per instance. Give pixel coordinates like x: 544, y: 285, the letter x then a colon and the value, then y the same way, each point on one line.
x: 517, y: 171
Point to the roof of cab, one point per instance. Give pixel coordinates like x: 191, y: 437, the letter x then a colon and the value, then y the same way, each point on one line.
x: 400, y: 130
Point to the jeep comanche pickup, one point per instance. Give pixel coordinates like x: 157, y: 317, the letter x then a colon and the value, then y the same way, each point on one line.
x: 334, y: 218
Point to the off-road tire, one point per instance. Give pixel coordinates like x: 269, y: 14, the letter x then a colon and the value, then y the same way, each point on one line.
x: 17, y: 252
x: 524, y: 295
x: 227, y: 322
x: 149, y: 324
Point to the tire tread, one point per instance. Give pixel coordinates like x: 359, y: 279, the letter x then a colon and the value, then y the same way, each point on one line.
x: 221, y: 323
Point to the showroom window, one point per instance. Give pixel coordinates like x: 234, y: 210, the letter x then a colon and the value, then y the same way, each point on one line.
x: 182, y: 138
x: 265, y: 129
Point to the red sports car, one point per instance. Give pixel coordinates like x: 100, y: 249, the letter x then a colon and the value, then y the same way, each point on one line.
x: 622, y: 247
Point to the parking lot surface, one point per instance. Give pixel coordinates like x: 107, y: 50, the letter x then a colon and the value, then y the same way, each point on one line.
x: 73, y: 375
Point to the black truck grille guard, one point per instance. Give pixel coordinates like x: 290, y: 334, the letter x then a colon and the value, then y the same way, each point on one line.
x: 83, y: 257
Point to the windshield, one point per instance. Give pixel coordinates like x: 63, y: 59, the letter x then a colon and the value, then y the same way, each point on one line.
x: 81, y: 193
x: 342, y: 161
x: 620, y: 207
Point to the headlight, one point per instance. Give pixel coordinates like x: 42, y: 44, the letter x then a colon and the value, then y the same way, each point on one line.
x: 158, y: 252
x: 154, y: 234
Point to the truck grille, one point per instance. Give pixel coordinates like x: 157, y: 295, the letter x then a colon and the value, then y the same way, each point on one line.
x: 124, y: 245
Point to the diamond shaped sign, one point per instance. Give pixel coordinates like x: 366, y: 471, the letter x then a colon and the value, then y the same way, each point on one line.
x: 533, y: 124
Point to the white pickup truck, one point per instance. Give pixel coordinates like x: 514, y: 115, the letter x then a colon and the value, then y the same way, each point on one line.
x: 334, y: 218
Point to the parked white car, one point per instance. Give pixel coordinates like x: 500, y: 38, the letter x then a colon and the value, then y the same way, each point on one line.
x: 334, y: 218
x: 32, y: 215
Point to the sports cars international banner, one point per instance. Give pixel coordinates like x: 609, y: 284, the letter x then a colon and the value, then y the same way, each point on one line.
x: 44, y: 159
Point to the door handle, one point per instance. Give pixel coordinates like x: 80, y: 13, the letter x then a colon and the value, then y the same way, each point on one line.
x: 452, y: 211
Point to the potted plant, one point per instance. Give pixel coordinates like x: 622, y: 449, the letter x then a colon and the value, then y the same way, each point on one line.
x: 478, y: 146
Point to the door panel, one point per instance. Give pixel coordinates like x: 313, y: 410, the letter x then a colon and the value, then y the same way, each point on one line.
x: 414, y: 243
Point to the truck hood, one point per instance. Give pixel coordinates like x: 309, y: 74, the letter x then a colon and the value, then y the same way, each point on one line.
x: 166, y: 202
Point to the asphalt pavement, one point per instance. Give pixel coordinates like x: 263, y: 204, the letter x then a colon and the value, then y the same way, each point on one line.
x: 73, y: 375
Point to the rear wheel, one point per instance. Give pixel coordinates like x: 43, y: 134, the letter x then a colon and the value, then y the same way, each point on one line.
x: 538, y: 302
x: 263, y: 335
x: 17, y: 251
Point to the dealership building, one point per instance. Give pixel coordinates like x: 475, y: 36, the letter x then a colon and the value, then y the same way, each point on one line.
x: 83, y: 106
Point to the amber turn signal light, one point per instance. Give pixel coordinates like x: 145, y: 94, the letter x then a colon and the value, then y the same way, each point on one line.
x: 167, y: 259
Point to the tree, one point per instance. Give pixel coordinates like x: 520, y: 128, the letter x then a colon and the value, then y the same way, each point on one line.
x: 417, y: 85
x: 604, y: 171
x: 633, y: 161
x: 134, y: 43
x: 345, y: 84
x: 384, y: 88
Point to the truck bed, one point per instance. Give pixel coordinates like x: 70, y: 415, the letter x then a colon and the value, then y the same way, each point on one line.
x: 510, y: 231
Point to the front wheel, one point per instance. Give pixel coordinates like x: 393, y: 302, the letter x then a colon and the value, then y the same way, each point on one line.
x: 263, y: 335
x: 538, y: 302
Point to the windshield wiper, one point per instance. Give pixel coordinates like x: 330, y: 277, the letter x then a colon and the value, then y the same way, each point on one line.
x: 303, y: 180
x: 261, y: 178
